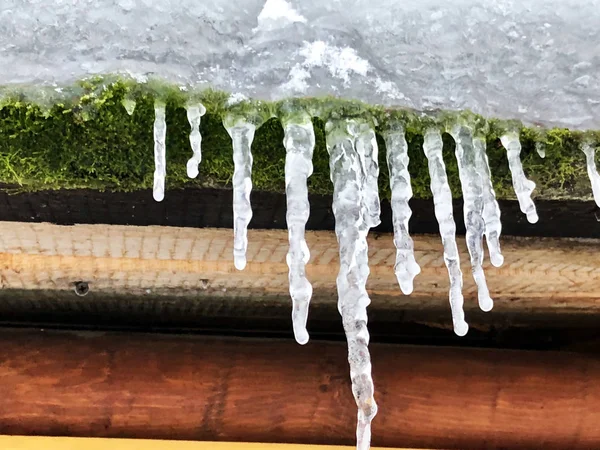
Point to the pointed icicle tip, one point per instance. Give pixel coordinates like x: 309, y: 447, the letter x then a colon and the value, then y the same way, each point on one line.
x: 129, y: 106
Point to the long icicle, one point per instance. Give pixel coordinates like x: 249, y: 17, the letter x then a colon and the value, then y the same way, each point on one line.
x: 242, y: 135
x: 299, y: 142
x: 351, y: 212
x: 406, y: 268
x: 160, y: 161
x: 491, y: 210
x: 472, y: 190
x: 194, y: 114
x: 590, y: 158
x: 442, y: 201
x: 522, y: 186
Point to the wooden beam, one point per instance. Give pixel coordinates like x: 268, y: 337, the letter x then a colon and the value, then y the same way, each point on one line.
x: 66, y: 443
x: 191, y: 388
x: 539, y: 275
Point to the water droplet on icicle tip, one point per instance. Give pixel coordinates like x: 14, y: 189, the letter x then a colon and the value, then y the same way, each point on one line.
x: 194, y: 113
x: 299, y: 142
x: 491, y: 210
x: 442, y: 202
x: 406, y: 267
x: 590, y: 158
x: 469, y: 162
x: 160, y: 161
x: 352, y: 151
x: 521, y: 185
x: 242, y: 135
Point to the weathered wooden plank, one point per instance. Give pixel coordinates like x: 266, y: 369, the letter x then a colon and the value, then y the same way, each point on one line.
x: 185, y: 387
x: 548, y: 275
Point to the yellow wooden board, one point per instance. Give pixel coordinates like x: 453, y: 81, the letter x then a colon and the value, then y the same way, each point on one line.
x: 66, y: 443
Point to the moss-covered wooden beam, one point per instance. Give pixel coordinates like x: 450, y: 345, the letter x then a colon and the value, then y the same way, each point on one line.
x: 83, y: 137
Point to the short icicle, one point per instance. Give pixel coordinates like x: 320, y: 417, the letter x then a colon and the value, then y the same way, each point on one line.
x: 491, y: 210
x: 160, y: 159
x: 442, y: 201
x: 194, y: 113
x: 522, y: 186
x: 406, y: 268
x: 242, y: 135
x: 352, y: 207
x: 590, y: 158
x: 471, y: 182
x: 299, y: 142
x: 129, y: 105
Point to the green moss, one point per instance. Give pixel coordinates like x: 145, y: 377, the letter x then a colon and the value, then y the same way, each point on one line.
x: 83, y: 137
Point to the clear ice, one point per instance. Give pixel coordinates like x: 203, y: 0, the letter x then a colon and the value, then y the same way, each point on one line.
x: 348, y: 142
x: 242, y: 135
x: 194, y: 113
x: 590, y: 154
x: 160, y: 161
x: 299, y: 142
x: 442, y: 202
x: 491, y: 211
x: 129, y: 105
x: 406, y: 268
x: 522, y: 186
x: 471, y: 183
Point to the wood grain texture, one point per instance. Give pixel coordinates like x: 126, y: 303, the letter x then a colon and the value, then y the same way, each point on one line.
x: 553, y: 275
x: 174, y: 387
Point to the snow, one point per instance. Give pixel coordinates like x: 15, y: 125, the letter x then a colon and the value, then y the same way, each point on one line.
x: 347, y: 141
x: 242, y: 135
x: 194, y: 114
x: 406, y: 268
x: 277, y: 14
x: 442, y: 202
x: 522, y: 186
x: 160, y: 160
x: 534, y: 60
x: 299, y: 142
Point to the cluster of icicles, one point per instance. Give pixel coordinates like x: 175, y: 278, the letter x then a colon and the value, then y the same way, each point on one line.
x: 354, y: 171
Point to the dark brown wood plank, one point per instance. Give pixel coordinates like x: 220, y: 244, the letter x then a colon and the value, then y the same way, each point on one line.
x: 174, y: 387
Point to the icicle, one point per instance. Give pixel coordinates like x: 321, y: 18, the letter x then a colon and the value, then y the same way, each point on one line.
x: 491, y: 210
x: 522, y: 186
x: 242, y: 135
x: 194, y: 113
x: 590, y: 155
x: 353, y: 202
x: 540, y: 148
x: 129, y: 105
x: 406, y: 267
x: 442, y: 201
x: 472, y: 190
x: 299, y: 142
x: 160, y: 161
x: 366, y: 146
